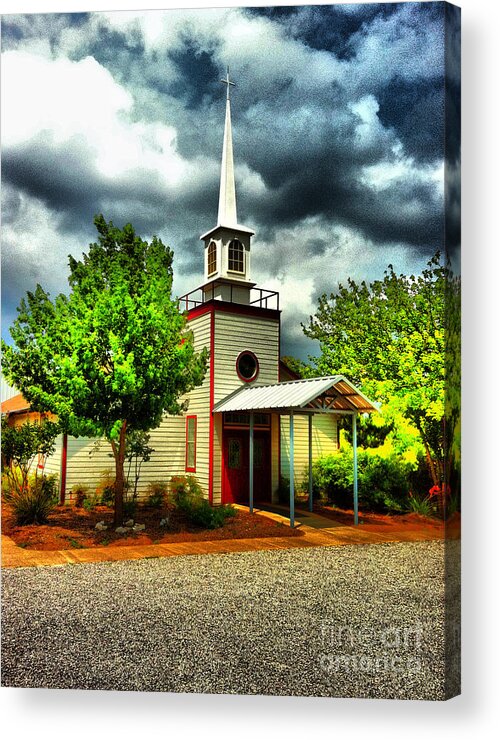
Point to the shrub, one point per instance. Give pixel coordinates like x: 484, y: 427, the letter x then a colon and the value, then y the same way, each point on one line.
x: 187, y: 497
x: 80, y: 494
x: 12, y: 480
x: 91, y: 501
x: 203, y: 514
x: 22, y: 445
x: 383, y: 482
x: 284, y: 490
x: 129, y: 508
x: 34, y: 503
x: 185, y: 491
x: 420, y: 505
x: 105, y: 491
x: 333, y: 479
x: 420, y: 479
x: 157, y: 495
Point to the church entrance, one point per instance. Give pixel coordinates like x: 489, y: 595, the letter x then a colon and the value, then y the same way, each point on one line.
x: 236, y: 454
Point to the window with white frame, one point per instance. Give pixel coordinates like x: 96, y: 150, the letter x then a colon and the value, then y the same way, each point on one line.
x: 236, y: 256
x: 191, y: 444
x: 212, y: 258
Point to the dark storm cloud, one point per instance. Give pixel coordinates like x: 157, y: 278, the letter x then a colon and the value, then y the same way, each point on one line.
x: 198, y: 75
x: 48, y: 26
x: 328, y: 28
x: 328, y: 99
x: 64, y: 177
x: 453, y: 132
x: 413, y: 111
x: 319, y: 172
x: 414, y: 107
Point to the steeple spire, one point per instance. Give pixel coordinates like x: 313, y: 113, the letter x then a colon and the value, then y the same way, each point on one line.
x: 227, y: 193
x: 227, y: 245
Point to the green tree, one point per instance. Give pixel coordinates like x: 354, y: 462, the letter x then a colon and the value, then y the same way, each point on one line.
x: 298, y: 366
x: 137, y: 452
x: 21, y: 445
x: 390, y: 337
x: 113, y: 356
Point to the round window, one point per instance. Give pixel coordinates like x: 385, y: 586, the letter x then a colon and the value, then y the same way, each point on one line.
x: 247, y: 366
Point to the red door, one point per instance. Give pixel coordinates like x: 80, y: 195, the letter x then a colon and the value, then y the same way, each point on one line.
x: 236, y: 466
x: 262, y: 466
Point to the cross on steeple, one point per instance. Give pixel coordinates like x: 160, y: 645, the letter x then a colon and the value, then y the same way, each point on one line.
x: 228, y: 82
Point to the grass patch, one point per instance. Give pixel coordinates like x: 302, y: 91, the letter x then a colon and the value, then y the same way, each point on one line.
x: 75, y: 544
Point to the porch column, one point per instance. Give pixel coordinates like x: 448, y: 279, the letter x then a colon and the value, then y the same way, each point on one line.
x: 250, y: 464
x: 355, y: 464
x: 292, y: 482
x: 311, y: 462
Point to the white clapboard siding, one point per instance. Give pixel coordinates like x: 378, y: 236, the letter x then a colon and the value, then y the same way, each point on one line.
x: 88, y: 462
x: 275, y: 447
x: 324, y: 442
x: 235, y: 333
x: 53, y: 463
x: 217, y: 497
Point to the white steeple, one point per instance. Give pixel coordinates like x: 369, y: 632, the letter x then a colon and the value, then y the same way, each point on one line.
x: 227, y: 245
x: 227, y: 193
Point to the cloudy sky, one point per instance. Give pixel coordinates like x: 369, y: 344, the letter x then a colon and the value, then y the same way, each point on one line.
x: 338, y: 128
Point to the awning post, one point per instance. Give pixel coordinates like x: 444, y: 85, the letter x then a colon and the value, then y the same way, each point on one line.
x: 292, y: 482
x: 250, y: 464
x: 310, y: 463
x: 355, y: 465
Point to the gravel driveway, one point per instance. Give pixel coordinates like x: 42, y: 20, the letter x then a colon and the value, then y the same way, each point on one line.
x: 365, y: 621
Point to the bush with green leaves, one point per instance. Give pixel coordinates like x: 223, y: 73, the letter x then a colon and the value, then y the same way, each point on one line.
x: 421, y: 505
x: 184, y: 491
x: 105, y: 491
x: 383, y: 482
x: 21, y: 445
x: 157, y: 494
x: 129, y: 508
x: 24, y: 449
x: 33, y: 503
x: 187, y: 497
x: 91, y: 501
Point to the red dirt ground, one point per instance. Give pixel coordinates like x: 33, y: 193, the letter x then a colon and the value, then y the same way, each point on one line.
x: 69, y: 528
x: 385, y: 523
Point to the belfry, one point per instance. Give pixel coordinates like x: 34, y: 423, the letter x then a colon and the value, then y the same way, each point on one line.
x: 227, y: 245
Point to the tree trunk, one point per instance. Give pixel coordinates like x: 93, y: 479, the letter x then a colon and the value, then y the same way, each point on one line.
x: 119, y: 453
x: 431, y: 464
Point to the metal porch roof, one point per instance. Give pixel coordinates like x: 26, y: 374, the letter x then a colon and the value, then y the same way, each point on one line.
x: 326, y: 394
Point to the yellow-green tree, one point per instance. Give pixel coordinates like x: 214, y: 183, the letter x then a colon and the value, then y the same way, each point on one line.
x: 394, y: 338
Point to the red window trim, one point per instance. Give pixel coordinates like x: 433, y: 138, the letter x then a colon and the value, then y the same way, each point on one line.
x: 187, y: 468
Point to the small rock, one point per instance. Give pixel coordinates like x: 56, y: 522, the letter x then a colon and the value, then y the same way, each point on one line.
x: 139, y: 527
x: 121, y: 530
x: 100, y: 527
x: 164, y: 523
x: 129, y: 523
